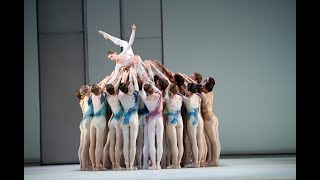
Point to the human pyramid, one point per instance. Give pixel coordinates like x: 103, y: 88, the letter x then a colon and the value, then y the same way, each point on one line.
x: 141, y: 118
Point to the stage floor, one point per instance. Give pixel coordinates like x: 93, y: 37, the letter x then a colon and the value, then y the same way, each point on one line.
x: 240, y: 168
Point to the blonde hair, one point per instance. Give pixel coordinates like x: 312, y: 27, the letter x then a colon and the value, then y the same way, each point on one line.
x: 84, y: 90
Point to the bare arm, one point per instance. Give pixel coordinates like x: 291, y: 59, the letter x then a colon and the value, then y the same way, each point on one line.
x: 135, y: 82
x: 116, y: 85
x: 142, y: 92
x: 159, y: 73
x: 183, y: 90
x: 166, y: 93
x: 168, y: 73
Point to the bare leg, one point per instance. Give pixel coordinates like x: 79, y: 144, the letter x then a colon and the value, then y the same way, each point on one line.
x: 106, y: 152
x: 112, y: 139
x: 159, y: 136
x: 208, y: 159
x: 118, y: 146
x: 205, y: 150
x: 134, y: 128
x: 151, y: 137
x: 86, y: 145
x: 100, y: 135
x: 187, y: 147
x: 179, y: 131
x: 146, y: 148
x: 192, y: 130
x: 125, y: 133
x: 200, y: 141
x: 209, y: 125
x: 80, y: 148
x: 164, y: 154
x: 169, y: 150
x: 92, y: 145
x: 216, y: 127
x: 171, y: 132
x: 140, y: 146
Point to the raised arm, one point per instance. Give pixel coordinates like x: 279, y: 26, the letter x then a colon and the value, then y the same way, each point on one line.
x: 116, y: 72
x: 115, y: 40
x: 116, y: 85
x: 166, y: 92
x: 145, y: 75
x: 168, y: 73
x: 126, y: 48
x: 159, y: 73
x: 142, y: 92
x: 135, y: 81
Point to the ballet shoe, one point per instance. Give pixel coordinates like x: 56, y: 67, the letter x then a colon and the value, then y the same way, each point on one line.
x: 153, y: 167
x: 158, y: 167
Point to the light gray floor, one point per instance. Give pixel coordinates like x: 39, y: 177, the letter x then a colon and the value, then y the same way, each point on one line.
x: 231, y: 168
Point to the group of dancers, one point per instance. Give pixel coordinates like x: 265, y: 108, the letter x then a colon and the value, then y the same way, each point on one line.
x: 144, y: 116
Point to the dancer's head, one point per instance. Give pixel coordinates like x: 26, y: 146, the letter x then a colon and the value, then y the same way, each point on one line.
x: 95, y: 89
x: 78, y: 95
x: 85, y: 90
x: 179, y: 80
x: 124, y: 87
x: 173, y: 88
x: 196, y: 76
x: 210, y: 80
x: 192, y: 88
x: 162, y: 84
x: 148, y: 88
x: 112, y: 55
x: 110, y: 89
x: 199, y: 88
x: 207, y: 87
x: 155, y: 78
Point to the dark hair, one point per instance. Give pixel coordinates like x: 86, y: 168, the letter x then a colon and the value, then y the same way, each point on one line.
x: 139, y: 83
x: 198, y: 77
x: 155, y: 78
x: 208, y: 86
x: 191, y: 87
x: 110, y: 89
x: 95, y: 89
x: 173, y: 88
x: 111, y: 52
x: 178, y: 79
x: 124, y: 87
x: 148, y: 88
x: 163, y: 83
x: 212, y: 81
x: 78, y: 95
x: 199, y: 88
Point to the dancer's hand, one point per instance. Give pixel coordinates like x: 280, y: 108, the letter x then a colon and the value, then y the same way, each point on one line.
x: 133, y: 27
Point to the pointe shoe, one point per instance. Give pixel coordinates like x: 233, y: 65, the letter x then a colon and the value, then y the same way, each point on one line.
x: 158, y: 167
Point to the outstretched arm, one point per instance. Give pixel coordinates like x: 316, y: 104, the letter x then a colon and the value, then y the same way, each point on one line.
x: 116, y: 85
x: 142, y: 92
x: 115, y: 40
x: 135, y: 81
x: 159, y: 73
x: 115, y: 74
x: 168, y: 73
x: 126, y: 48
x: 188, y: 78
x: 166, y: 92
